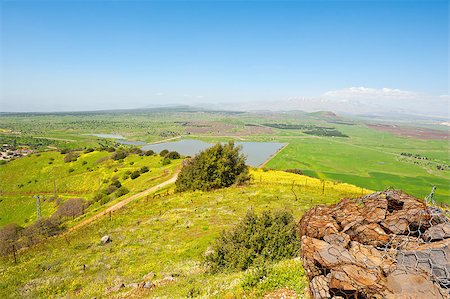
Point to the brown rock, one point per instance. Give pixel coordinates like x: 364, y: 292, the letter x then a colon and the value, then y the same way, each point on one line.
x: 318, y: 222
x: 339, y: 239
x: 437, y: 232
x: 371, y: 234
x: 319, y: 287
x: 401, y: 284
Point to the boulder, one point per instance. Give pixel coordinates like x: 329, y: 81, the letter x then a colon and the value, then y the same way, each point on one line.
x: 438, y: 232
x: 106, y: 239
x: 384, y: 245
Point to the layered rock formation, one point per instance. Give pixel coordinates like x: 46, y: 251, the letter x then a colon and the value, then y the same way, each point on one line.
x: 384, y: 245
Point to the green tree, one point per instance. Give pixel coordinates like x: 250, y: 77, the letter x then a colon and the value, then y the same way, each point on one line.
x: 219, y: 166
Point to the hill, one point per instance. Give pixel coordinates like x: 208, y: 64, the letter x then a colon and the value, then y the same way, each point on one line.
x: 165, y: 239
x: 47, y: 174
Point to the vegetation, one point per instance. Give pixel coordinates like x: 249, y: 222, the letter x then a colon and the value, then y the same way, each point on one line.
x: 256, y: 239
x: 217, y: 167
x: 168, y: 236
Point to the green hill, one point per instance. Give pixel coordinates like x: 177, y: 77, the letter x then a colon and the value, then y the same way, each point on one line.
x: 167, y: 236
x: 46, y: 172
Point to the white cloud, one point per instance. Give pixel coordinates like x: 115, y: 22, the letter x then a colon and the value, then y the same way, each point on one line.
x: 367, y: 93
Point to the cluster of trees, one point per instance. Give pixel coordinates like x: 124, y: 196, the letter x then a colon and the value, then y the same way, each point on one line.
x: 219, y: 166
x: 168, y: 156
x: 115, y: 188
x: 14, y: 237
x: 254, y: 240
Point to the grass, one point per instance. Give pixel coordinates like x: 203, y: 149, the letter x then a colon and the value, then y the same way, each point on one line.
x: 31, y: 175
x: 167, y: 236
x: 365, y: 161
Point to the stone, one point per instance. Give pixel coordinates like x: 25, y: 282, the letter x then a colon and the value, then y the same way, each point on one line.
x: 384, y: 245
x: 371, y: 234
x: 401, y: 284
x: 339, y: 239
x: 149, y: 275
x: 319, y: 287
x: 437, y: 232
x: 116, y: 287
x: 106, y: 239
x: 148, y: 285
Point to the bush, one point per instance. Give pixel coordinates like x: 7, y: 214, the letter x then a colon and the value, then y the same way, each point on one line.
x: 163, y: 153
x: 135, y: 174
x: 70, y: 208
x: 294, y: 170
x: 255, y: 240
x: 150, y: 153
x: 122, y: 191
x: 136, y: 150
x: 216, y: 167
x: 165, y: 161
x: 71, y: 170
x: 144, y: 169
x: 71, y: 157
x: 84, y: 163
x: 119, y: 155
x: 172, y: 155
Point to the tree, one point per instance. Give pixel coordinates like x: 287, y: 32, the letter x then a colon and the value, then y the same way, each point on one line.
x: 70, y: 208
x: 163, y: 153
x: 119, y: 154
x: 172, y: 155
x: 219, y: 166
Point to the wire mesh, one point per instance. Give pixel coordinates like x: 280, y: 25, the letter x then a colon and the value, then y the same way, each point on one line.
x: 383, y: 245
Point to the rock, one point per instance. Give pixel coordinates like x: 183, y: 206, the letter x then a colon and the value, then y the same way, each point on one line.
x: 319, y: 287
x: 438, y: 232
x: 371, y: 234
x: 433, y: 259
x: 148, y: 285
x: 319, y: 255
x: 401, y: 284
x: 133, y: 285
x: 339, y: 239
x: 116, y: 287
x: 318, y: 223
x: 106, y: 239
x: 383, y: 245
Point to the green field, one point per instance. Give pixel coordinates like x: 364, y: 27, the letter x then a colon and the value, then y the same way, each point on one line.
x: 32, y: 175
x: 367, y: 157
x: 167, y: 236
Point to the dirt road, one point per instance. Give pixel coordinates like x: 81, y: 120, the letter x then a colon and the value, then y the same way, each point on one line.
x: 123, y: 202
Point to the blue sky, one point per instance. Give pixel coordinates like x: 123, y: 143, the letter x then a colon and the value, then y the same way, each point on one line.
x: 78, y: 55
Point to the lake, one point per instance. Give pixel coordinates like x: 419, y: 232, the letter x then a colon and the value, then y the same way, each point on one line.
x: 256, y: 152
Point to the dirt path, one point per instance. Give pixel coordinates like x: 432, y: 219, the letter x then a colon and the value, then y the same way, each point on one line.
x: 122, y: 203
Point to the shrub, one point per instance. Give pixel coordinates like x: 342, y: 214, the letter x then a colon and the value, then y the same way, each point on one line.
x: 71, y: 157
x: 84, y: 163
x: 119, y: 155
x: 294, y: 170
x: 136, y: 150
x: 122, y: 191
x: 144, y: 169
x: 172, y: 155
x: 163, y: 153
x: 135, y: 174
x: 165, y: 161
x: 254, y: 240
x: 9, y: 234
x: 71, y: 170
x: 149, y: 153
x: 216, y: 167
x: 70, y: 208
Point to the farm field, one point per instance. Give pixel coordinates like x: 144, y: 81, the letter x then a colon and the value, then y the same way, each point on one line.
x: 169, y: 237
x: 369, y: 157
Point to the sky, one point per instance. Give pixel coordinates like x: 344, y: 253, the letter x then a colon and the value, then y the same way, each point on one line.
x: 90, y: 55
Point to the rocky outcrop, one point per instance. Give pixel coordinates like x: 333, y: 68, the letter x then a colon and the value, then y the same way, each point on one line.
x: 384, y: 245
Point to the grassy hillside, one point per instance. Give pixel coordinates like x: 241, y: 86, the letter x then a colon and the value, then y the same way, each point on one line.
x: 41, y: 173
x: 167, y: 236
